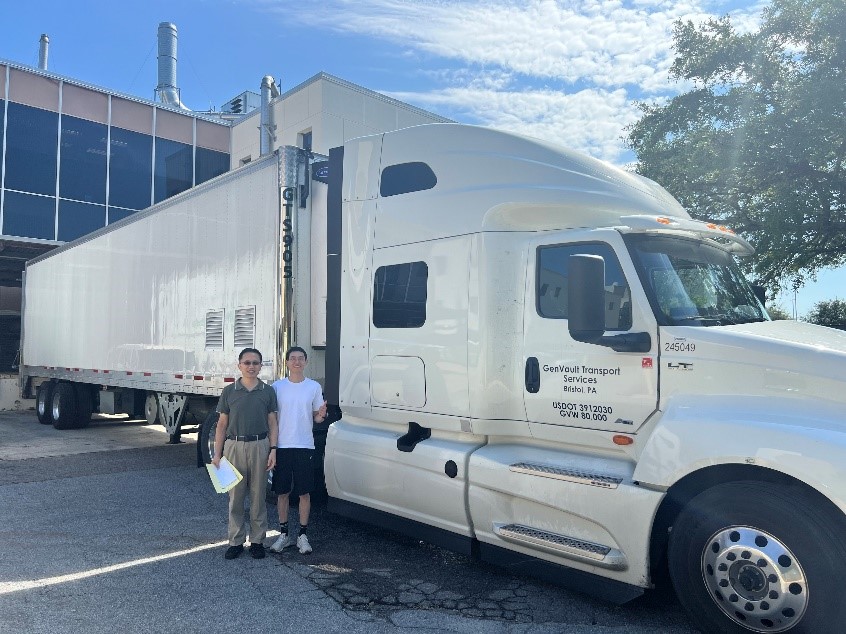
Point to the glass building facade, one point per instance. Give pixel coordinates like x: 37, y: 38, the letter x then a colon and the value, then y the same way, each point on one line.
x: 74, y: 158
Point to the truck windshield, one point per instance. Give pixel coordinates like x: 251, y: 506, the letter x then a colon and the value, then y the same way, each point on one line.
x: 691, y: 283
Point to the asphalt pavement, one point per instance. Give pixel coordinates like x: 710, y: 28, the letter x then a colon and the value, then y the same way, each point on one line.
x: 110, y: 529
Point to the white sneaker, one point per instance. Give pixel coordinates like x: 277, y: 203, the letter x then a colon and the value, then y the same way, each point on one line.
x: 281, y: 543
x: 303, y: 545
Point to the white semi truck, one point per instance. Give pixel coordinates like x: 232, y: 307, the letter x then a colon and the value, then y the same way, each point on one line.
x: 532, y: 357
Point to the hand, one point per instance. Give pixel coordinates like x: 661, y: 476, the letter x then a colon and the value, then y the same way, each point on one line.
x: 321, y: 413
x: 216, y: 461
x: 271, y: 459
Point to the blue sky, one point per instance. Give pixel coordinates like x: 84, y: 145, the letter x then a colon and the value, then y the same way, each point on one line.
x: 567, y: 71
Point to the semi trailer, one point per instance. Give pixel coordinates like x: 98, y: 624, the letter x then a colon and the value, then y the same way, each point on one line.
x: 530, y: 356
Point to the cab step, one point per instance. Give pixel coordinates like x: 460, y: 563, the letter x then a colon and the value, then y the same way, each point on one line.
x: 563, y: 546
x: 570, y: 475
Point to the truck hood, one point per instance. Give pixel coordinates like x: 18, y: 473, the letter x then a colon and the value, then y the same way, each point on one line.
x: 774, y: 359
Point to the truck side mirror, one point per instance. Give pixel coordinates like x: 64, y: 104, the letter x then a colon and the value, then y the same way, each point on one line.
x: 586, y: 298
x: 760, y: 293
x: 586, y: 307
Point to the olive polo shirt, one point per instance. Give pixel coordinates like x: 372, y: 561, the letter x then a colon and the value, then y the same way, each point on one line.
x: 247, y: 409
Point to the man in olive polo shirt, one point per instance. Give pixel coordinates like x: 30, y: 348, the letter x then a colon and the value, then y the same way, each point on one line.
x: 246, y: 431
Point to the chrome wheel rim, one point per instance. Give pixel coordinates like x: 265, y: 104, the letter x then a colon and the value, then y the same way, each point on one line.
x: 755, y: 579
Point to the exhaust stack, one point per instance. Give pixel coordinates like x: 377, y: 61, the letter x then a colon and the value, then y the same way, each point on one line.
x: 268, y: 125
x: 167, y: 90
x: 43, y: 46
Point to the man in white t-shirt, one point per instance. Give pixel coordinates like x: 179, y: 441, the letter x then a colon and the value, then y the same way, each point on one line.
x: 301, y: 404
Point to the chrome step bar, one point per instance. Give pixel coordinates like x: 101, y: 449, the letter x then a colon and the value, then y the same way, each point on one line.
x: 570, y: 475
x: 563, y: 546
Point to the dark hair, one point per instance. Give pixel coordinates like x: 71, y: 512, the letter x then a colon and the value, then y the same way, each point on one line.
x: 295, y: 349
x: 248, y: 351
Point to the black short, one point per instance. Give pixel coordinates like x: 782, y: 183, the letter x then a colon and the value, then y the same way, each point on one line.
x: 294, y: 471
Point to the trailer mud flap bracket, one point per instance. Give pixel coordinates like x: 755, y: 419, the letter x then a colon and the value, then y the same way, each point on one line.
x: 171, y: 413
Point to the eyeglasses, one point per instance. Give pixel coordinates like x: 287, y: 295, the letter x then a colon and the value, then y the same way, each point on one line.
x: 251, y: 362
x: 297, y: 359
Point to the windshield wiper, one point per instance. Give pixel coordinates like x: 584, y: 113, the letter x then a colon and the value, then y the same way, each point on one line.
x: 721, y: 320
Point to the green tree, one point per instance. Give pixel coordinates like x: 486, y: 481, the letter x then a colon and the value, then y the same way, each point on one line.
x: 759, y: 141
x: 777, y: 313
x: 828, y: 313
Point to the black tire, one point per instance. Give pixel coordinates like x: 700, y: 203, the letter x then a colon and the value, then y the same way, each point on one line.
x: 84, y: 404
x: 205, y: 439
x: 759, y: 557
x: 63, y: 409
x: 151, y: 408
x: 269, y: 494
x: 44, y: 402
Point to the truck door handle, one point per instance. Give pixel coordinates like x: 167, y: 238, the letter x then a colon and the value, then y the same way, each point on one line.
x: 532, y: 375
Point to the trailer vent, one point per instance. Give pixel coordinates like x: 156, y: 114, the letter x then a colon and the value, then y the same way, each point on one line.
x: 245, y: 327
x: 214, y: 330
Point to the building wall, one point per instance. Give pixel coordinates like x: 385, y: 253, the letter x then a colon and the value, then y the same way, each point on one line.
x: 332, y: 110
x: 74, y: 158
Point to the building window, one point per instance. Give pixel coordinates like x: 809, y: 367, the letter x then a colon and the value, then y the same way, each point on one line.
x: 2, y: 132
x: 117, y: 213
x: 174, y: 169
x: 130, y: 169
x: 82, y: 173
x: 210, y: 164
x: 28, y: 216
x: 31, y: 145
x: 399, y: 295
x: 552, y: 280
x: 305, y: 141
x: 76, y: 219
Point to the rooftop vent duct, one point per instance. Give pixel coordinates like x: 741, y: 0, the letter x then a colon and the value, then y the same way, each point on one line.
x: 167, y: 90
x: 43, y: 45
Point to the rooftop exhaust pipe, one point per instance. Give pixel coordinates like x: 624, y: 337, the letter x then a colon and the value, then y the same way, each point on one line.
x: 268, y: 126
x: 167, y: 90
x: 43, y: 46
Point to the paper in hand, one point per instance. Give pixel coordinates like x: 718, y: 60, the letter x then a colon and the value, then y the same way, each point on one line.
x: 224, y: 477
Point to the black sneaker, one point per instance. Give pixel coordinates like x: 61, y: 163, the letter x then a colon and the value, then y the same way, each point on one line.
x: 257, y: 551
x: 233, y: 552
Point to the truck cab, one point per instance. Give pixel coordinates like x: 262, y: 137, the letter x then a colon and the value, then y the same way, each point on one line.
x: 542, y: 360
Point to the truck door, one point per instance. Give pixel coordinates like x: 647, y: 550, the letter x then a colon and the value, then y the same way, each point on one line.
x: 578, y: 384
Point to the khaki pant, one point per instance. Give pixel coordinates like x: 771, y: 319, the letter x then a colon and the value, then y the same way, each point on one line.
x: 250, y: 459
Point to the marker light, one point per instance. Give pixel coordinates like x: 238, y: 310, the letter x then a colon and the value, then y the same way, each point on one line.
x: 619, y: 439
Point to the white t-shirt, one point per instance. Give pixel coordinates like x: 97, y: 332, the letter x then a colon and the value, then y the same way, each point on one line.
x: 297, y: 404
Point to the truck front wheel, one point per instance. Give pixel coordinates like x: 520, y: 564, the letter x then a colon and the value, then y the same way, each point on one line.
x: 205, y: 439
x: 755, y: 556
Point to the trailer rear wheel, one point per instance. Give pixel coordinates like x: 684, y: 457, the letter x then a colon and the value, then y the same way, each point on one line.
x: 63, y: 406
x: 44, y: 402
x: 151, y: 408
x: 753, y: 556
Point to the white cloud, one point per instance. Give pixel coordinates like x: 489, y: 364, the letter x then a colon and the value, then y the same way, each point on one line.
x: 590, y: 120
x: 609, y: 43
x: 562, y: 69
